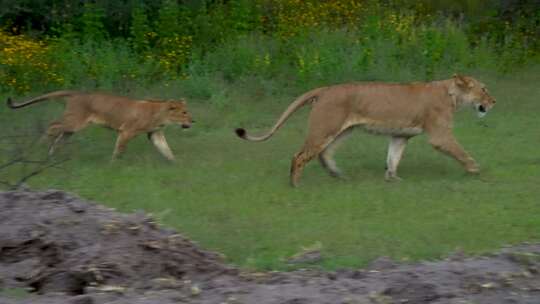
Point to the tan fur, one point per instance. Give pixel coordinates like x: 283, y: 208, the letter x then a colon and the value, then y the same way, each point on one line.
x: 400, y: 111
x: 127, y: 116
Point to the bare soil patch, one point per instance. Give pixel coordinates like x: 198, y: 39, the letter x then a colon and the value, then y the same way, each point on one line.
x: 63, y: 249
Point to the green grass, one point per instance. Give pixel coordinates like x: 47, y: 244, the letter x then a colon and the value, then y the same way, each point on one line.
x: 15, y: 293
x: 233, y: 196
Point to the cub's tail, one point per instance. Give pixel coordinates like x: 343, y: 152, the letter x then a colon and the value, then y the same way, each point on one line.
x: 56, y: 94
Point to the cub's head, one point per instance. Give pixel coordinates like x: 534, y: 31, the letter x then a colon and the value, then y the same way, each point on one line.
x: 178, y: 113
x: 470, y: 91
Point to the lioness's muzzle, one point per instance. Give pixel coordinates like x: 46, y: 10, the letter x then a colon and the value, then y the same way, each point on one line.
x: 481, y: 110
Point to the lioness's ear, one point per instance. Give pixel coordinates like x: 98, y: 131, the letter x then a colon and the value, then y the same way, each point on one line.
x: 460, y: 81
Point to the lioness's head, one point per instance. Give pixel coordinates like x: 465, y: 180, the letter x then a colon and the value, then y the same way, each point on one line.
x: 468, y: 90
x: 178, y: 113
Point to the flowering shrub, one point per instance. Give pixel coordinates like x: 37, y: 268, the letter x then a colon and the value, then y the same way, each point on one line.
x: 25, y: 63
x: 291, y: 17
x: 173, y: 53
x: 168, y: 44
x: 308, y: 40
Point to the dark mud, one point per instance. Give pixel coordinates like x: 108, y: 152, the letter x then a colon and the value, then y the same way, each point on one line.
x: 61, y: 249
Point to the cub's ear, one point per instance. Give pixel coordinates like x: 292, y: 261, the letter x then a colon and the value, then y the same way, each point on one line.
x: 171, y: 105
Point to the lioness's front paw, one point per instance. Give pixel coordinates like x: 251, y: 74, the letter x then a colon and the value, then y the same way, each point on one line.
x: 391, y: 177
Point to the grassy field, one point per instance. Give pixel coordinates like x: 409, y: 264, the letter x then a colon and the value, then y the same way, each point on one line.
x: 233, y: 196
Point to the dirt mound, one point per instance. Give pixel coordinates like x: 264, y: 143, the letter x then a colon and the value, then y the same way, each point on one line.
x: 67, y: 250
x: 52, y: 241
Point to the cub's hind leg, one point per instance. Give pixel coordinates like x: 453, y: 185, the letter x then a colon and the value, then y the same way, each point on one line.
x: 60, y: 130
x: 55, y: 134
x: 60, y: 138
x: 121, y: 143
x: 53, y: 131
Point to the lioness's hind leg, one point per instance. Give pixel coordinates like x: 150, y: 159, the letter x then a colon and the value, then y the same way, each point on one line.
x: 395, y: 151
x: 320, y: 135
x: 326, y: 157
x: 301, y: 158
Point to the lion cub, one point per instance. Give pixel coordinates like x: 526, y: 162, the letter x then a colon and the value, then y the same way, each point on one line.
x: 400, y: 111
x: 127, y: 116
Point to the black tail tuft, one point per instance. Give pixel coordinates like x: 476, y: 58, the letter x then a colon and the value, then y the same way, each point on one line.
x: 10, y: 103
x: 240, y: 132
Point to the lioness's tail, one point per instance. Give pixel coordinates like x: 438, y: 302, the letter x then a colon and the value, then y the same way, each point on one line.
x: 301, y: 101
x: 40, y: 98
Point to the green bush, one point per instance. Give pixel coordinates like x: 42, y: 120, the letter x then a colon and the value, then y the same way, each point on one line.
x: 289, y: 43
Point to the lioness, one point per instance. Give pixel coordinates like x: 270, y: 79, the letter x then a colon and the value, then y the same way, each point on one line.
x: 127, y: 116
x: 400, y: 111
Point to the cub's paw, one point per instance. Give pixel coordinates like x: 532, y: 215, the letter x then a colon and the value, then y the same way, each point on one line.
x: 473, y: 170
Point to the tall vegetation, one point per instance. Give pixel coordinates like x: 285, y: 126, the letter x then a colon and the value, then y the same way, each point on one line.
x: 120, y: 45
